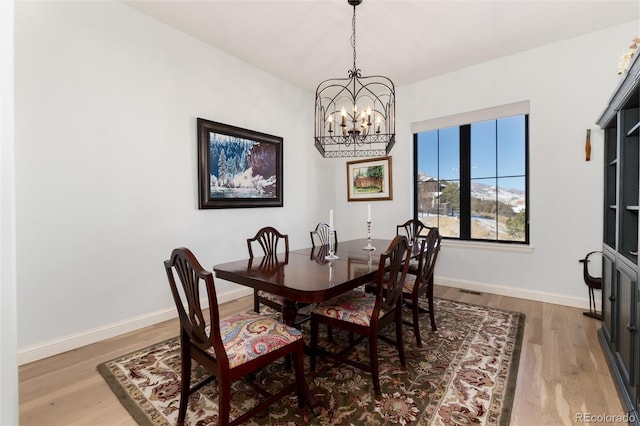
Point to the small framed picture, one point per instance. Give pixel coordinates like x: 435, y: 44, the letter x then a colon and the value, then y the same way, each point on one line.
x: 369, y: 180
x: 238, y: 167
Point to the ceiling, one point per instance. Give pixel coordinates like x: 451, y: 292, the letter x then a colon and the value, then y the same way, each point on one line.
x: 308, y: 41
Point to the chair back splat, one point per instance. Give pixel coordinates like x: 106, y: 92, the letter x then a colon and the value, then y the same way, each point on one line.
x: 392, y: 271
x: 269, y: 238
x: 193, y: 324
x: 322, y: 234
x: 412, y: 229
x: 229, y: 349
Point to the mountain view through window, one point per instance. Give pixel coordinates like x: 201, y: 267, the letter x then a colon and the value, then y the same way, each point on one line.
x: 472, y: 180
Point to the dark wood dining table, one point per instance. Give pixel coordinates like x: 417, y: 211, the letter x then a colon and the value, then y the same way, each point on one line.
x: 305, y: 276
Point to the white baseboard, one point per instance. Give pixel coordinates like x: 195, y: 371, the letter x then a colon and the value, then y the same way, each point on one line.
x: 76, y: 340
x: 574, y: 302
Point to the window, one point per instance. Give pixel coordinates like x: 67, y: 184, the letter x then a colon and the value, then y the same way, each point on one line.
x: 471, y: 178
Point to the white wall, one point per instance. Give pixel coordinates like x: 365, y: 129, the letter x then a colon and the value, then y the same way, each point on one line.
x: 106, y: 174
x: 8, y: 315
x: 568, y: 85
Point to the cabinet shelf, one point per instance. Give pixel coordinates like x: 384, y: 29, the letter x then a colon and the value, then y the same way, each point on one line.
x: 632, y: 208
x: 614, y: 162
x: 634, y: 131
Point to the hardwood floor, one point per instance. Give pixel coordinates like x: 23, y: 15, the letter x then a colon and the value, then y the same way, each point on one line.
x: 563, y: 373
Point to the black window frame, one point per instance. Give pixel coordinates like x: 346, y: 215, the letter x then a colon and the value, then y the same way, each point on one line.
x: 465, y: 184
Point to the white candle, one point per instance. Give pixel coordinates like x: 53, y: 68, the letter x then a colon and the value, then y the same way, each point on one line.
x: 331, y: 218
x: 368, y: 212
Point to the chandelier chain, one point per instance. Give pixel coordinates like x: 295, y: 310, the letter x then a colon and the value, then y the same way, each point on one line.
x: 353, y: 36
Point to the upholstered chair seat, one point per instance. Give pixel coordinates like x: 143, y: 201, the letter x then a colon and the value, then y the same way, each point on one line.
x: 249, y: 335
x: 354, y: 306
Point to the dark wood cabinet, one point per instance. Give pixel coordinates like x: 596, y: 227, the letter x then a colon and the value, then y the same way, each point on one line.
x: 620, y: 293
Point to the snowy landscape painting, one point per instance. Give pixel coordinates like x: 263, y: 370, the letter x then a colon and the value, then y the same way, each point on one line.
x: 238, y: 167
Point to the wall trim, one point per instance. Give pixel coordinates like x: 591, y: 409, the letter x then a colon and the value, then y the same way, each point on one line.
x: 556, y: 299
x: 77, y: 340
x: 485, y: 246
x: 87, y: 337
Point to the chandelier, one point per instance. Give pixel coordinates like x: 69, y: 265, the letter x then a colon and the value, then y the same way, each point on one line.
x: 355, y: 116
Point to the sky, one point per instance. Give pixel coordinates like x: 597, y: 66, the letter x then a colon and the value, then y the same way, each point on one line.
x: 497, y: 150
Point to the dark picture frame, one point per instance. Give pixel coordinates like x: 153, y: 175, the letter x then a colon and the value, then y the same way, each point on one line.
x: 238, y: 168
x: 369, y: 179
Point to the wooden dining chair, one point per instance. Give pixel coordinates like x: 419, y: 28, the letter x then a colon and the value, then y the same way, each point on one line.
x: 366, y: 314
x: 420, y: 282
x: 229, y: 349
x: 270, y: 240
x: 321, y: 235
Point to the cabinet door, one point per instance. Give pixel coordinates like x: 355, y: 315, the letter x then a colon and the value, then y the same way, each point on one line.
x: 608, y: 296
x: 626, y: 356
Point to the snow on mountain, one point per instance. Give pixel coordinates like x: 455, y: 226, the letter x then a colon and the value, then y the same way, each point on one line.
x: 488, y: 192
x: 514, y: 197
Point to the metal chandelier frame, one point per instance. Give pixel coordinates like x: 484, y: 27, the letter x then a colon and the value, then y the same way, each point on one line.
x: 355, y: 116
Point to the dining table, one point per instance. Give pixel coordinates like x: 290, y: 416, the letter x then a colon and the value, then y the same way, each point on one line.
x: 306, y: 276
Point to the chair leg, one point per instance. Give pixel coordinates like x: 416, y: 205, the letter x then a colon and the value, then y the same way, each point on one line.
x: 256, y: 302
x: 224, y: 401
x: 416, y: 322
x: 373, y: 357
x: 314, y: 343
x: 185, y: 379
x: 432, y: 316
x: 399, y: 335
x: 298, y: 365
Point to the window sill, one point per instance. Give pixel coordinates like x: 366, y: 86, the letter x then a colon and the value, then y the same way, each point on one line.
x: 478, y: 245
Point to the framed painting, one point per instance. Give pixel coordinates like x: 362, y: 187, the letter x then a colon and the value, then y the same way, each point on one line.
x: 369, y: 180
x: 238, y: 167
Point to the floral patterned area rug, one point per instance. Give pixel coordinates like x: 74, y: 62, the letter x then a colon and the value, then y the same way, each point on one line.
x: 464, y: 373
